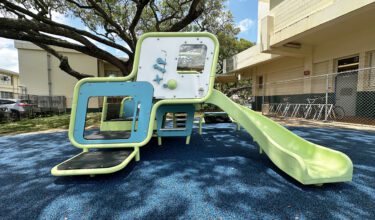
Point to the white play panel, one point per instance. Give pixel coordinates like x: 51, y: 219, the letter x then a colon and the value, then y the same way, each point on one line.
x: 177, y: 67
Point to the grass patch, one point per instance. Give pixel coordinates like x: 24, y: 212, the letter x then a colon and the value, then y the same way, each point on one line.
x: 45, y: 123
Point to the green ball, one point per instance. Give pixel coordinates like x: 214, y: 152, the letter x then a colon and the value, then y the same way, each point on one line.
x: 172, y: 84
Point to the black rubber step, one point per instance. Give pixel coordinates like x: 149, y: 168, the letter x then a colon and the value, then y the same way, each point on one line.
x: 95, y: 160
x: 107, y: 135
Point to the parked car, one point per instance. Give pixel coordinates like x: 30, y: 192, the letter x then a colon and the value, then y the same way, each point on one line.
x: 4, y: 114
x: 18, y: 108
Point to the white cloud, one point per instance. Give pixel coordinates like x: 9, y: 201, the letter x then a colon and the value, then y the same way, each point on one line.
x: 245, y: 24
x: 8, y: 55
x: 59, y: 18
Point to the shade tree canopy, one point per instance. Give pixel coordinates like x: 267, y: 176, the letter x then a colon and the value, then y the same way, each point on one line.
x: 114, y: 24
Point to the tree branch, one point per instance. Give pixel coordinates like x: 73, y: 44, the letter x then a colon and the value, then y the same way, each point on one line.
x: 12, y: 7
x: 140, y: 6
x: 154, y: 9
x: 88, y: 48
x: 64, y: 62
x: 234, y: 90
x: 79, y: 5
x: 196, y: 9
x: 120, y: 32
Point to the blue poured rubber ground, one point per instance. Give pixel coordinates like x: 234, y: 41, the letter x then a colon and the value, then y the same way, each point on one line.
x: 220, y: 175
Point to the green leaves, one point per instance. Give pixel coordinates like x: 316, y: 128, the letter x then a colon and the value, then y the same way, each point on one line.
x: 116, y: 24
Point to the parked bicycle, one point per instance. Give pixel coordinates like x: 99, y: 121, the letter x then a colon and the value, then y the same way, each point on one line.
x: 316, y: 107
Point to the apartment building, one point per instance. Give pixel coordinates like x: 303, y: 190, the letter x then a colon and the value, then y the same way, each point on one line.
x: 41, y: 75
x: 299, y: 40
x: 9, y: 84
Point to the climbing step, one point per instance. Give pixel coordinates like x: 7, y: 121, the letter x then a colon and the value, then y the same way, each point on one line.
x: 96, y: 162
x: 107, y: 135
x: 172, y: 129
x: 181, y: 119
x: 95, y: 159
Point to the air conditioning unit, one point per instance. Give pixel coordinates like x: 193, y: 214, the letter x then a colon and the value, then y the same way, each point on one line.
x: 228, y: 65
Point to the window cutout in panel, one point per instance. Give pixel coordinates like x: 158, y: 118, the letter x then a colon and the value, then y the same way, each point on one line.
x: 136, y: 117
x: 174, y: 121
x: 167, y: 123
x: 180, y: 120
x: 117, y: 119
x: 191, y: 58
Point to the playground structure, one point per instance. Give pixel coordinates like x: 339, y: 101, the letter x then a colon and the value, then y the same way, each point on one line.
x: 172, y: 74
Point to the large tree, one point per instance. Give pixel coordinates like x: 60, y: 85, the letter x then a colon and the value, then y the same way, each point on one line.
x: 221, y: 23
x: 115, y: 24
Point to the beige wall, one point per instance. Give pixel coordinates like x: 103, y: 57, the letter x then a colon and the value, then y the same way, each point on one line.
x: 339, y: 29
x: 79, y: 62
x: 33, y: 66
x: 294, y: 17
x: 33, y: 71
x: 350, y: 44
x: 353, y: 43
x: 288, y: 12
x: 311, y: 23
x: 321, y: 60
x: 263, y: 11
x: 285, y: 68
x: 319, y: 84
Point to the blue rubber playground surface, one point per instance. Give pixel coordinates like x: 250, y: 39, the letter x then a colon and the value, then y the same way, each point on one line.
x: 220, y: 175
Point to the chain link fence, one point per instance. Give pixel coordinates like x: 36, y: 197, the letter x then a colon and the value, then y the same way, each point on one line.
x: 45, y: 105
x: 347, y: 96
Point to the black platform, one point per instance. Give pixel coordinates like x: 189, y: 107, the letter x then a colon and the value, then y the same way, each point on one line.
x: 96, y: 160
x: 107, y: 135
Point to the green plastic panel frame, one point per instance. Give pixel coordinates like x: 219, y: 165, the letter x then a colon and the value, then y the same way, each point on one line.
x: 131, y: 77
x: 306, y: 162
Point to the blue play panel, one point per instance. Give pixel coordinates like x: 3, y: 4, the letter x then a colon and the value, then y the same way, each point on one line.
x: 220, y: 175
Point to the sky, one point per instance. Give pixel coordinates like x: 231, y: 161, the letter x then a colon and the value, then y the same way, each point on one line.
x: 244, y: 12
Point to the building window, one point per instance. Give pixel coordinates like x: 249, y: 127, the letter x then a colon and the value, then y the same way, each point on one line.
x: 191, y: 58
x: 6, y: 95
x: 260, y: 82
x: 5, y: 79
x: 348, y: 64
x: 229, y: 64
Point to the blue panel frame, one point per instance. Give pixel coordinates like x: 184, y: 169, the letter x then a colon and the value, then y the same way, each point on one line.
x: 142, y: 94
x: 162, y: 110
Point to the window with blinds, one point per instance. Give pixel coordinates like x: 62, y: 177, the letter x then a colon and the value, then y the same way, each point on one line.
x: 5, y: 80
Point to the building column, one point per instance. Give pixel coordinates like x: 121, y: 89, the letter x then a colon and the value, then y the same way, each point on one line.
x: 361, y: 75
x: 332, y: 68
x: 308, y: 66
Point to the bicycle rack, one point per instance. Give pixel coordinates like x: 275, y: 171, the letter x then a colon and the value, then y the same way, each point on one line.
x: 286, y: 109
x: 271, y: 108
x: 296, y: 111
x: 306, y: 111
x: 278, y: 109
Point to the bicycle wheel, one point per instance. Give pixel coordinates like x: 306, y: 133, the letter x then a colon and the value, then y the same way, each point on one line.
x: 339, y: 112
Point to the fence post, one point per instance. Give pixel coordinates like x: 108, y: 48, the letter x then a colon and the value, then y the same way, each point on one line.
x: 263, y: 92
x: 326, y: 105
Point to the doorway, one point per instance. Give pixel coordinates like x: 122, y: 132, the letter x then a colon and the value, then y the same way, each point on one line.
x: 346, y: 84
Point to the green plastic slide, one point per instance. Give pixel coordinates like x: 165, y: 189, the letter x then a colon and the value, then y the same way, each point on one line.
x: 306, y: 162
